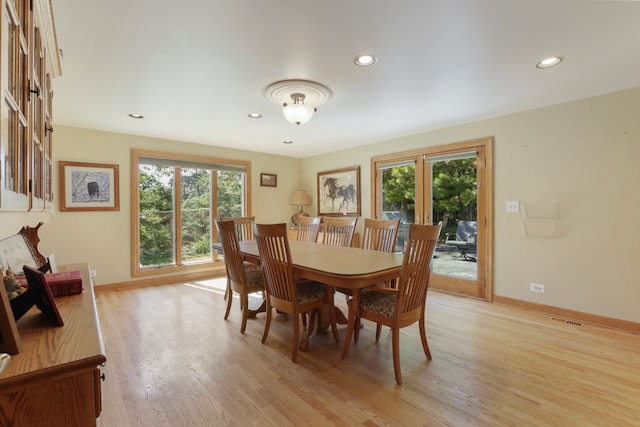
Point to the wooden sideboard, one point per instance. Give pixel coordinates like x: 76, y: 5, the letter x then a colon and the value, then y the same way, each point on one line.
x: 55, y: 380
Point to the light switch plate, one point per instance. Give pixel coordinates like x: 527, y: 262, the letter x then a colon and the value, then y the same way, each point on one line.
x: 513, y: 206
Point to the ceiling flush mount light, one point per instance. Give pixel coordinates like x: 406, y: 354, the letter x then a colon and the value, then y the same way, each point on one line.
x: 299, y: 98
x: 254, y: 115
x: 136, y: 116
x: 549, y: 62
x: 365, y: 60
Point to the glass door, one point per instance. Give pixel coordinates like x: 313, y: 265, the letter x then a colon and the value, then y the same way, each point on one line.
x: 452, y: 197
x: 448, y: 185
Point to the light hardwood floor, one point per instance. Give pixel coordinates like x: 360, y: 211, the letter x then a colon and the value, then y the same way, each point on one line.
x: 173, y: 361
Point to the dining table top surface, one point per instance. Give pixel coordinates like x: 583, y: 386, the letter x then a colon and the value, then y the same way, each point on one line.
x: 337, y: 265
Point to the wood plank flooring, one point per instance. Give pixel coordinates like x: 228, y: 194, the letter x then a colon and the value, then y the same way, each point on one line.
x: 173, y: 361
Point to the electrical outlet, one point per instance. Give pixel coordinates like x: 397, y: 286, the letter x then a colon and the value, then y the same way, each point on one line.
x: 93, y: 273
x: 513, y: 206
x: 536, y: 287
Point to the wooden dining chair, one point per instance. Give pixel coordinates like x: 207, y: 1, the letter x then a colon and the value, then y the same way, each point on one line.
x: 404, y: 305
x: 308, y: 228
x: 283, y: 293
x: 243, y: 225
x: 380, y: 234
x: 242, y: 277
x: 338, y: 231
x: 244, y: 231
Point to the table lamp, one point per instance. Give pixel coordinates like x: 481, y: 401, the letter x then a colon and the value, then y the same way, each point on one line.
x: 299, y: 198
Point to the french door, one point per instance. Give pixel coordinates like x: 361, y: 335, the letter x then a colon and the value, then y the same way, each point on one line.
x: 451, y: 185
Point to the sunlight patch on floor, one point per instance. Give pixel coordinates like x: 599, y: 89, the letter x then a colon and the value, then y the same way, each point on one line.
x: 217, y: 285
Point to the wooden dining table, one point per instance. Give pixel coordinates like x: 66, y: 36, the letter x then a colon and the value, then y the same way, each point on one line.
x: 339, y: 266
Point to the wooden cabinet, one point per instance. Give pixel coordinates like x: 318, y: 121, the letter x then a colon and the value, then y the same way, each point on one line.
x: 29, y: 61
x: 55, y: 380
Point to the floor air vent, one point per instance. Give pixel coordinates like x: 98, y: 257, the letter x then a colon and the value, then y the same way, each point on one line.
x: 567, y: 321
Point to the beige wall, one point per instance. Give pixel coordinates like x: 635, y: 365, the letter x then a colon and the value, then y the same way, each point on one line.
x: 103, y: 238
x: 582, y: 155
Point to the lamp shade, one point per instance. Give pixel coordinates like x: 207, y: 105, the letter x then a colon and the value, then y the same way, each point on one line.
x: 300, y: 198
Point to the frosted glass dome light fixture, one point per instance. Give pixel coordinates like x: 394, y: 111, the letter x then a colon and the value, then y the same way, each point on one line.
x: 299, y: 98
x: 296, y: 112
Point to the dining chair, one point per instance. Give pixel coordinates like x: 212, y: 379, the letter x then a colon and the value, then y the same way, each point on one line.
x: 308, y: 228
x: 380, y: 234
x: 404, y: 305
x: 243, y: 226
x: 244, y: 231
x: 338, y: 231
x: 242, y: 276
x: 283, y: 292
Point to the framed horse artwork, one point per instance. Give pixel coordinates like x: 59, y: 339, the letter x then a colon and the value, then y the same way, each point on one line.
x: 339, y: 192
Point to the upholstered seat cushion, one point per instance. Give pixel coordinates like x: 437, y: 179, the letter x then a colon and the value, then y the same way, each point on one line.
x: 254, y: 276
x: 310, y: 291
x: 251, y: 266
x: 378, y: 302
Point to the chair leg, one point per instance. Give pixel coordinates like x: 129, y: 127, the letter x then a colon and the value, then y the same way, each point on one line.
x: 296, y: 337
x: 334, y: 323
x: 245, y: 311
x: 396, y: 354
x: 378, y: 331
x: 423, y: 337
x: 229, y: 299
x: 311, y: 330
x: 226, y: 291
x: 356, y: 332
x: 267, y: 324
x: 350, y: 327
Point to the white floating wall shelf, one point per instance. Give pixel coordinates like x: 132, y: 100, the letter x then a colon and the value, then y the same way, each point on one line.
x: 540, y: 220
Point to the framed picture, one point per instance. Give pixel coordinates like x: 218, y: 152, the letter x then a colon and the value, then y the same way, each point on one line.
x: 268, y: 180
x: 339, y: 192
x: 89, y: 187
x: 41, y: 294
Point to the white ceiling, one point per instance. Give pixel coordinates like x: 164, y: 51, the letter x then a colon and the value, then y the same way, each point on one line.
x: 196, y: 68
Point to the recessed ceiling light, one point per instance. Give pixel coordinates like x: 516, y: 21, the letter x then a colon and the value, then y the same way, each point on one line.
x: 136, y: 116
x: 549, y: 62
x: 287, y: 142
x: 365, y: 60
x: 255, y: 115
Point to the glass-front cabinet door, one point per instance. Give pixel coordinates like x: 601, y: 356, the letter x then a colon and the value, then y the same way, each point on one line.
x: 29, y: 60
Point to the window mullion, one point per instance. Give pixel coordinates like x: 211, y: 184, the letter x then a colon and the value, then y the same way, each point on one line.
x: 177, y: 245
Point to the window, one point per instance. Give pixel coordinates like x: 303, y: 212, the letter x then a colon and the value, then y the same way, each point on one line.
x: 178, y: 197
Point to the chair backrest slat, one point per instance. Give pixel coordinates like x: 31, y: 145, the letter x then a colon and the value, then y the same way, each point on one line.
x: 380, y: 234
x: 338, y: 231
